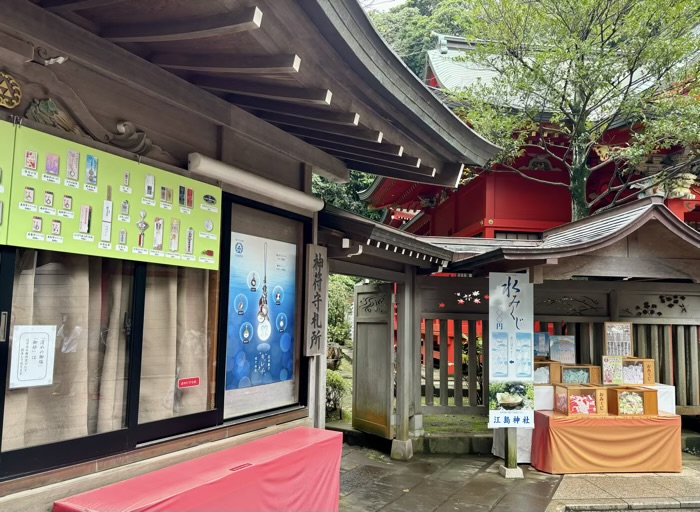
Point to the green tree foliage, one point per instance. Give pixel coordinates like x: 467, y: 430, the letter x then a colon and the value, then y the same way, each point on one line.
x: 345, y: 195
x: 407, y: 28
x: 340, y: 297
x: 586, y: 66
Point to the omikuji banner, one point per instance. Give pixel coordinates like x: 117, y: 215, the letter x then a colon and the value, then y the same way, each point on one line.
x: 511, y: 390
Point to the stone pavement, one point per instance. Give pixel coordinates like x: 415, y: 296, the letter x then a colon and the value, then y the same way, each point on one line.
x: 371, y: 481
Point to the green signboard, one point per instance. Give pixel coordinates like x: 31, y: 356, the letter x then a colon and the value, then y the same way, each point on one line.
x: 7, y: 146
x: 68, y: 197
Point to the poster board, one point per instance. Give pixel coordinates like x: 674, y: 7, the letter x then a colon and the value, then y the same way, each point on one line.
x: 562, y: 349
x: 541, y: 344
x: 612, y: 370
x: 511, y: 353
x: 32, y: 356
x: 260, y: 342
x: 618, y: 339
x: 71, y: 198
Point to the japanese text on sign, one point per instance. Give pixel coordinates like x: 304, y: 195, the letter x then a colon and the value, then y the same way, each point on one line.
x: 32, y: 356
x: 316, y: 304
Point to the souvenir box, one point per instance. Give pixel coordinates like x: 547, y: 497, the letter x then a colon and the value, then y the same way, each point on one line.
x: 638, y: 371
x: 580, y: 399
x: 580, y: 374
x: 632, y: 401
x: 547, y: 372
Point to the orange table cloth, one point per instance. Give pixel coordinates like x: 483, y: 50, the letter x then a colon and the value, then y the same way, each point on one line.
x: 606, y: 444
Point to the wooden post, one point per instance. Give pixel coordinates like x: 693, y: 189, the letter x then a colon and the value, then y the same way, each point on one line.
x: 641, y: 338
x: 428, y: 361
x: 473, y: 364
x: 654, y: 339
x: 403, y: 358
x: 444, y: 385
x: 667, y: 355
x: 511, y: 448
x: 694, y: 370
x: 457, y: 354
x: 681, y: 390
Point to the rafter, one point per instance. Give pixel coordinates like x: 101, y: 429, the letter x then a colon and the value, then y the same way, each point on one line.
x: 75, y: 5
x: 241, y: 20
x: 225, y: 63
x: 303, y: 111
x: 422, y: 170
x: 355, y: 132
x: 274, y: 92
x: 404, y: 160
x: 312, y: 135
x: 388, y: 172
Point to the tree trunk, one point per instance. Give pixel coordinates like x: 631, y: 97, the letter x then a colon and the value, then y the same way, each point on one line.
x: 578, y: 175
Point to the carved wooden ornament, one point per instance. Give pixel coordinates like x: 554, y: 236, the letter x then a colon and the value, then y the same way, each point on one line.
x: 10, y: 92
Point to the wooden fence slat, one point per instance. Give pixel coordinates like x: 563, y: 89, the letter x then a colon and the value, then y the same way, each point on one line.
x: 585, y: 337
x: 666, y: 354
x: 444, y: 375
x: 457, y: 375
x: 428, y: 361
x: 654, y: 345
x: 472, y: 364
x: 641, y: 339
x: 681, y: 391
x: 694, y: 383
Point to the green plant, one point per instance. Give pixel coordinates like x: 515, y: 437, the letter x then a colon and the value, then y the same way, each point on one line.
x: 336, y: 388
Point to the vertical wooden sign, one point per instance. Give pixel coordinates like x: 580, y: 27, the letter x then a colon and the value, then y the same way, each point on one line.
x: 316, y: 312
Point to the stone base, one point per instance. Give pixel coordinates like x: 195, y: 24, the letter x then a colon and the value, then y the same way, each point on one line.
x: 515, y: 472
x: 401, y: 450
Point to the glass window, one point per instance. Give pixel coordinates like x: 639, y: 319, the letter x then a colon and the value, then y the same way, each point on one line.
x: 263, y: 327
x: 179, y: 342
x: 68, y: 337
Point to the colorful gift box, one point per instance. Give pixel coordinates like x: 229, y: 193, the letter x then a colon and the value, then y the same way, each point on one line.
x: 580, y: 399
x: 580, y: 374
x: 549, y: 369
x: 632, y: 401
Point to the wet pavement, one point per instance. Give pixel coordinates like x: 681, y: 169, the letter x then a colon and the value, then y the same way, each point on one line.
x: 371, y: 481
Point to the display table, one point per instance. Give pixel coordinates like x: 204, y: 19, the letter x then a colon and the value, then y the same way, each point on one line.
x: 606, y: 444
x: 298, y: 469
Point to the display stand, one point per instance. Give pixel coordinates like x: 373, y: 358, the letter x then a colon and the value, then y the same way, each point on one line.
x: 606, y: 444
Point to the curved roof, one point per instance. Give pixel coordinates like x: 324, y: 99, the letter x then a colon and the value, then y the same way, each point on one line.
x: 577, y: 238
x: 317, y: 70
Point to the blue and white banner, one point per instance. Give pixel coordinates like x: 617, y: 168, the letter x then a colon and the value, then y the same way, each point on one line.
x: 511, y: 351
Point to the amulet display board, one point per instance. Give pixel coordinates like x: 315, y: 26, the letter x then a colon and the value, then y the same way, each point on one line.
x: 7, y: 141
x: 71, y: 198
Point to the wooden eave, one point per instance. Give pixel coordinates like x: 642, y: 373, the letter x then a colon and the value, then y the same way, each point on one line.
x: 392, y: 242
x: 313, y: 69
x: 641, y: 212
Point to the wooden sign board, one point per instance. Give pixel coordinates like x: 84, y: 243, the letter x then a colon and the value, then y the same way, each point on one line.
x: 316, y: 300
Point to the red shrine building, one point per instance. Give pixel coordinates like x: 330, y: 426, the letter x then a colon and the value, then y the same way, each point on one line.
x: 497, y: 203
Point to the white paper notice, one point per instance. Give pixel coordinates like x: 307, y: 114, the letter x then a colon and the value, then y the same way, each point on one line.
x: 32, y: 358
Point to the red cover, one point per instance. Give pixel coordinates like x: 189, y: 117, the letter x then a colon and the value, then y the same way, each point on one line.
x: 298, y: 469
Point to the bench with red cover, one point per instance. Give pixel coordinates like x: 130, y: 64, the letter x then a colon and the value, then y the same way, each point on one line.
x: 298, y: 469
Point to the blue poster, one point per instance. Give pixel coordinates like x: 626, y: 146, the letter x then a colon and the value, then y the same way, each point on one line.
x: 260, y: 327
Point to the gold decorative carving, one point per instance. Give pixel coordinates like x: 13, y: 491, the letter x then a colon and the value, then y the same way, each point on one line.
x: 10, y: 92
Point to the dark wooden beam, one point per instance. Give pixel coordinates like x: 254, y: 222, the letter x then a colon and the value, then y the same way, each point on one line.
x: 312, y: 135
x: 419, y: 169
x: 75, y: 5
x: 403, y: 160
x: 275, y: 92
x: 42, y: 28
x: 219, y: 24
x: 226, y: 63
x: 451, y: 172
x: 389, y: 172
x: 399, y: 175
x: 355, y: 132
x: 303, y: 111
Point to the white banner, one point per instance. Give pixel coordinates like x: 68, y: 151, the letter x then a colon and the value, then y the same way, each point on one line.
x: 511, y: 351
